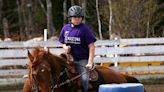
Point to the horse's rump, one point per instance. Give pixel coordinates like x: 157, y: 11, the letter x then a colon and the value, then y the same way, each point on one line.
x: 131, y: 79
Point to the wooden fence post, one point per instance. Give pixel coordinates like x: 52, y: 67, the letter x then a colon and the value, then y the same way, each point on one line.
x: 45, y: 38
x: 115, y: 55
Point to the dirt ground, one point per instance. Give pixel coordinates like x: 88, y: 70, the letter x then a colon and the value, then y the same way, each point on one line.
x: 149, y: 88
x: 154, y: 88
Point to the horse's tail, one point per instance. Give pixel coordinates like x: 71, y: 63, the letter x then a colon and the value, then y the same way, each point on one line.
x: 131, y: 79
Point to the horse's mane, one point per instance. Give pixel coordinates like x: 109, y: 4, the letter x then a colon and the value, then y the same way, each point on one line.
x: 35, y: 53
x: 56, y: 61
x: 36, y: 50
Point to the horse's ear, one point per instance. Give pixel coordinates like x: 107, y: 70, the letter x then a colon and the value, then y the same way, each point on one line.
x: 30, y: 56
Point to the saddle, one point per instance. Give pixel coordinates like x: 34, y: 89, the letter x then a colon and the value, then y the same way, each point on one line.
x: 93, y: 74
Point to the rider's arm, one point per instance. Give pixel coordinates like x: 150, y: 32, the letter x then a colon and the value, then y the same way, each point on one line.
x: 91, y: 55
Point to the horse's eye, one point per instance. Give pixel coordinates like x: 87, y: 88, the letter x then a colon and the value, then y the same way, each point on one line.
x: 42, y: 70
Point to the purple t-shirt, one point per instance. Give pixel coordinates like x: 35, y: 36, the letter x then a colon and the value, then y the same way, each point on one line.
x: 78, y: 37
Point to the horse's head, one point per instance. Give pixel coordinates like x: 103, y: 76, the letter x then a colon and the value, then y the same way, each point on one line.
x: 46, y: 68
x: 40, y: 69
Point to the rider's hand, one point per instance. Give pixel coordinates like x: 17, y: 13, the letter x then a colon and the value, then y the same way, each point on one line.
x: 67, y: 48
x: 89, y: 66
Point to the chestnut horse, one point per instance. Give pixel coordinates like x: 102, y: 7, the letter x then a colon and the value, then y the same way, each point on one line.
x: 52, y: 73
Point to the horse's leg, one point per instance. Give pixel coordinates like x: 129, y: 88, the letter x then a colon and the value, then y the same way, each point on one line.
x: 27, y: 86
x: 93, y: 90
x: 131, y: 79
x: 111, y: 76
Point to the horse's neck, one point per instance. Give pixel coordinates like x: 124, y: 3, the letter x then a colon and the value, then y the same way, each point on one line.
x: 55, y: 63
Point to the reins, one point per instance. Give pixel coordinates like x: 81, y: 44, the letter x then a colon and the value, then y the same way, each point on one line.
x: 34, y: 86
x: 72, y: 79
x: 68, y: 80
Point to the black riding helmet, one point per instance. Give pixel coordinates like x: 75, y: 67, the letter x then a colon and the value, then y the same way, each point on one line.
x: 75, y: 11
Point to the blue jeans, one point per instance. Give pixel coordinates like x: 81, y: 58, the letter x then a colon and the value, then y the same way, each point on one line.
x: 84, y: 79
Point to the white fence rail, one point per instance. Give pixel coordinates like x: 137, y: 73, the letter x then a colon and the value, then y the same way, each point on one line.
x: 129, y: 50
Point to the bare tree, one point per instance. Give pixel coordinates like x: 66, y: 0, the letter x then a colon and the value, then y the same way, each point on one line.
x: 110, y: 18
x: 98, y: 20
x: 30, y: 16
x: 72, y: 2
x: 23, y: 7
x: 1, y: 2
x: 135, y: 18
x: 42, y: 6
x: 50, y: 27
x: 127, y: 17
x: 84, y: 9
x: 20, y: 19
x: 64, y: 11
x: 79, y: 2
x: 5, y: 28
x: 150, y: 20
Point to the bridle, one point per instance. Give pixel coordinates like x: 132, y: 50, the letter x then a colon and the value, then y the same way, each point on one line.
x: 34, y: 86
x: 67, y: 81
